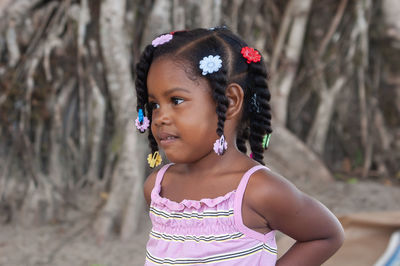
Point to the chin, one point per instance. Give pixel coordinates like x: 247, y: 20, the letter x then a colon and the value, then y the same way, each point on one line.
x: 171, y: 156
x: 180, y: 158
x: 176, y: 159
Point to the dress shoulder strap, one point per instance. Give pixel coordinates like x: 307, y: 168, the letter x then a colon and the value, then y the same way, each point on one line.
x: 245, y: 179
x: 267, y: 238
x: 160, y: 174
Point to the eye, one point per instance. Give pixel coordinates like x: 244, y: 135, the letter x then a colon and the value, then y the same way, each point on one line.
x: 154, y: 105
x: 177, y: 100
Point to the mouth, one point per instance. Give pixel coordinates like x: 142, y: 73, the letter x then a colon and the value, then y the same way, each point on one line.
x: 166, y: 138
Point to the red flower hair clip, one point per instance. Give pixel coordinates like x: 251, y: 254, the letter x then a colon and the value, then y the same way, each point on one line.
x: 250, y: 54
x: 173, y: 32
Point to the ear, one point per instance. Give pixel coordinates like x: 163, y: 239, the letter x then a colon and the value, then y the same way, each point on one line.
x: 235, y: 95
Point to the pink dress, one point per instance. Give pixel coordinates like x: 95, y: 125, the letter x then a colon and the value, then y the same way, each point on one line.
x: 208, y: 231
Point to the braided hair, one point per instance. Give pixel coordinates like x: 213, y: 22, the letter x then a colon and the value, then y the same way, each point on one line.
x: 191, y: 46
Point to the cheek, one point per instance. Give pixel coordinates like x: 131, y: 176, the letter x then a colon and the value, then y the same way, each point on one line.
x: 202, y: 125
x: 153, y: 129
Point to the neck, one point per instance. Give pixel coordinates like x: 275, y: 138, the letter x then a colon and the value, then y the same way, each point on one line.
x: 212, y: 164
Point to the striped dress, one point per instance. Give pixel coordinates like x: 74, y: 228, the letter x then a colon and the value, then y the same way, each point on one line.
x: 208, y: 231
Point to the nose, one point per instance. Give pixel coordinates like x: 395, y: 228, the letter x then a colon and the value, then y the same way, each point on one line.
x: 161, y: 116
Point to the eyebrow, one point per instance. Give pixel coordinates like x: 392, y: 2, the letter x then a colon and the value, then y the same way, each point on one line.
x: 168, y: 92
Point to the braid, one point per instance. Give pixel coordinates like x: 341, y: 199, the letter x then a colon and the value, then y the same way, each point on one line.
x: 142, y: 69
x: 241, y: 139
x: 218, y: 83
x: 192, y: 46
x: 256, y: 120
x: 152, y: 140
x: 260, y: 122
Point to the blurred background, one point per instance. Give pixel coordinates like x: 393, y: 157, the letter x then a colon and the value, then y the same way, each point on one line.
x: 72, y: 163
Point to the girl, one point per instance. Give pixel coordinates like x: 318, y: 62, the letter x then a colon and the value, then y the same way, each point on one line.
x: 205, y: 93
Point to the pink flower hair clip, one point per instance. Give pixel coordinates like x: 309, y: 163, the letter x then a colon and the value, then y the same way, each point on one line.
x: 250, y: 54
x: 220, y: 145
x: 162, y: 39
x: 142, y: 122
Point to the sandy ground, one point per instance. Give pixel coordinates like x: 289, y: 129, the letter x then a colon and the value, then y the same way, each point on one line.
x: 74, y: 244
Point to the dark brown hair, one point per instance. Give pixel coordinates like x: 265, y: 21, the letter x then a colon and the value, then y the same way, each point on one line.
x: 192, y: 46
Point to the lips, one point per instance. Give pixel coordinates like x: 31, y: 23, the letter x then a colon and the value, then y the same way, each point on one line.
x: 166, y: 138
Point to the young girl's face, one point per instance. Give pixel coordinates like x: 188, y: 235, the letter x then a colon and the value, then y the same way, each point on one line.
x: 184, y: 119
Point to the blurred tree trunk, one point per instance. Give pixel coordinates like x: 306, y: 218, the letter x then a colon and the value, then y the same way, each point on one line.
x: 128, y: 174
x: 67, y: 101
x: 290, y: 44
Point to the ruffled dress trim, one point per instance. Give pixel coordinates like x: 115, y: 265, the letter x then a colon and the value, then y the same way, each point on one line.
x: 189, y: 204
x: 157, y: 199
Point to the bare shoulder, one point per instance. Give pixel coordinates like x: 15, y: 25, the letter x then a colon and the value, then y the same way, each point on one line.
x: 286, y: 208
x: 149, y: 185
x: 266, y: 185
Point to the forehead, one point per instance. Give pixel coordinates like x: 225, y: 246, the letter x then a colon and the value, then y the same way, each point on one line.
x: 165, y: 74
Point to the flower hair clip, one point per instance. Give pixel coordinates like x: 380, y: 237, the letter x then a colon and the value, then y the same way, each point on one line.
x: 162, y: 39
x: 220, y: 145
x: 176, y: 31
x: 142, y: 122
x: 210, y: 64
x: 250, y: 54
x: 154, y: 159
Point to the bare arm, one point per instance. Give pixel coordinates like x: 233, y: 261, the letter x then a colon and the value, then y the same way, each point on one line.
x: 317, y: 231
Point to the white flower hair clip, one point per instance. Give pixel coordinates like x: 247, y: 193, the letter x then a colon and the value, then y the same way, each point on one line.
x: 210, y: 64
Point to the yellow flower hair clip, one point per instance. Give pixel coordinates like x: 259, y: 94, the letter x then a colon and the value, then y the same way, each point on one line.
x: 154, y: 159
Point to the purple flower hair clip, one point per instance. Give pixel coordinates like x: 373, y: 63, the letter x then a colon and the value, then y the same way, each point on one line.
x: 142, y: 122
x: 220, y: 145
x: 142, y: 126
x: 161, y: 39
